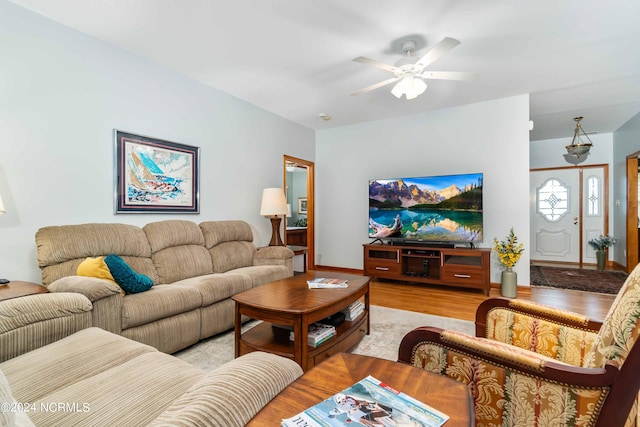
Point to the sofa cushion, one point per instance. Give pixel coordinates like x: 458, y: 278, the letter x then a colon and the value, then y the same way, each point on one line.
x: 130, y: 394
x: 231, y: 255
x: 178, y: 250
x: 62, y: 364
x: 262, y: 274
x: 217, y: 287
x: 157, y: 303
x: 216, y: 232
x: 7, y: 417
x: 230, y: 244
x: 60, y: 249
x: 126, y: 277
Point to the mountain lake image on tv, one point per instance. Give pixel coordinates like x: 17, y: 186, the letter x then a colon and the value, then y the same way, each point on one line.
x: 430, y: 209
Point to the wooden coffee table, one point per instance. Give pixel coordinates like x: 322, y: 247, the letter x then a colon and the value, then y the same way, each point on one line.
x: 290, y: 302
x: 343, y: 370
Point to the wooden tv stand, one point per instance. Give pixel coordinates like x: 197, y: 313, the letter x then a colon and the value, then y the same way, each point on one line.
x: 469, y: 268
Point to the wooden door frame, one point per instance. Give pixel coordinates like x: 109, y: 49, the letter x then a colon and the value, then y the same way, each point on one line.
x: 632, y: 211
x: 311, y: 263
x: 605, y: 195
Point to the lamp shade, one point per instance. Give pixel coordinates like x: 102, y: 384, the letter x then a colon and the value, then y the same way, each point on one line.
x: 2, y: 206
x: 274, y: 202
x: 410, y: 86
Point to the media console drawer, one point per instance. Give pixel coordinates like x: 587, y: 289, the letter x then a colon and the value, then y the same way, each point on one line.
x: 471, y: 276
x: 383, y: 267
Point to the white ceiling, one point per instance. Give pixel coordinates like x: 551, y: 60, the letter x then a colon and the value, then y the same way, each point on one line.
x: 294, y: 57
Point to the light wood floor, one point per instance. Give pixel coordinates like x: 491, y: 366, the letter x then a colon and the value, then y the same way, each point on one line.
x: 461, y: 303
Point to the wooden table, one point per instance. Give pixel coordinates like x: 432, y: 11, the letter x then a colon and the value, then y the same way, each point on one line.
x: 290, y: 302
x: 343, y: 370
x: 16, y: 289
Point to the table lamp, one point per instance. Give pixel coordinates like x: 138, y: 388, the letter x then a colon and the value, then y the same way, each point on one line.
x: 274, y: 203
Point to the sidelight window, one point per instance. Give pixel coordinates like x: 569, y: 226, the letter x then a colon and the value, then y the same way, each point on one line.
x: 594, y: 198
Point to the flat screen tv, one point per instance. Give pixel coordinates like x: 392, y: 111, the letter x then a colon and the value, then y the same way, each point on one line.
x: 444, y: 209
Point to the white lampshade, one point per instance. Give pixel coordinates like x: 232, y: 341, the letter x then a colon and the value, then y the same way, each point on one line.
x: 274, y: 202
x: 409, y: 86
x: 2, y: 206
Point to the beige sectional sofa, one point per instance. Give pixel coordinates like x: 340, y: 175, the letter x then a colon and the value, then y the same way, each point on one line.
x: 195, y: 268
x: 57, y: 370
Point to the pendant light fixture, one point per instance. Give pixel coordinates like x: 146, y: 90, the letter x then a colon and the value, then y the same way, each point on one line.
x: 578, y: 148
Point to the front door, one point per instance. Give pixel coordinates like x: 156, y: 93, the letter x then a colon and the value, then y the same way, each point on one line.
x: 568, y: 208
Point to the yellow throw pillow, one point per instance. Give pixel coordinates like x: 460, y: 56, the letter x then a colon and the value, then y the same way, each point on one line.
x: 96, y: 267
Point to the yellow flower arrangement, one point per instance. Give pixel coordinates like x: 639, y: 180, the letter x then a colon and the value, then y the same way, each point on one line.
x: 509, y: 251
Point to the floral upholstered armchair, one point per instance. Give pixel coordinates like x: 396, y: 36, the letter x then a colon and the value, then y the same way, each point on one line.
x: 533, y: 365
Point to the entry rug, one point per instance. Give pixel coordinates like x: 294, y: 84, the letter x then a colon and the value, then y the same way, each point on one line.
x: 579, y: 279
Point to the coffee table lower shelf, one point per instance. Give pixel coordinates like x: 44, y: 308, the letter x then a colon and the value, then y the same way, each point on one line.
x: 271, y: 339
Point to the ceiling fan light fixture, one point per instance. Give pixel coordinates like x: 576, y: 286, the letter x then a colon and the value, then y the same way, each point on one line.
x: 409, y: 86
x: 577, y: 147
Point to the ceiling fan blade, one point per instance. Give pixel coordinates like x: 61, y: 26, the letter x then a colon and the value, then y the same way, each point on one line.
x: 374, y: 63
x: 440, y: 49
x: 445, y: 75
x: 376, y: 86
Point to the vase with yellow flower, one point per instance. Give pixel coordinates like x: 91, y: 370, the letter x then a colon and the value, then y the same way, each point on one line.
x: 509, y: 252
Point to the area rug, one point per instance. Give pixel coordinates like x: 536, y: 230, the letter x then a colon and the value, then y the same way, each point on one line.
x: 601, y: 281
x: 388, y: 326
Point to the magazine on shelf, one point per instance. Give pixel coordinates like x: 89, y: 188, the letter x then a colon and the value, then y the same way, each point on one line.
x: 353, y: 310
x: 317, y: 334
x: 321, y: 282
x: 368, y: 402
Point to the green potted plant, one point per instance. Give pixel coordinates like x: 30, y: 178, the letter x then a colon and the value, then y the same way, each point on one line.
x: 509, y: 252
x: 600, y: 245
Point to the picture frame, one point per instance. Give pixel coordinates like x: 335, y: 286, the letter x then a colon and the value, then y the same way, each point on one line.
x: 302, y: 205
x: 155, y: 176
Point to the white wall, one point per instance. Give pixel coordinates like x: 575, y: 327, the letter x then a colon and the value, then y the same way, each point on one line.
x: 626, y: 141
x: 61, y: 96
x: 549, y: 153
x: 490, y: 137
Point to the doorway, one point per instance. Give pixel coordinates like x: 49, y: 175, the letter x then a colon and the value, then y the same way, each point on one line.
x: 299, y: 187
x: 633, y: 221
x: 569, y: 206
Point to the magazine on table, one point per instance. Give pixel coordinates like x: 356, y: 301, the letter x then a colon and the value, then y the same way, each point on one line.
x: 369, y: 402
x: 321, y: 282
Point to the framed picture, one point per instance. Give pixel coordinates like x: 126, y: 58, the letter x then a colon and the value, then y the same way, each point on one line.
x: 152, y: 175
x: 302, y: 205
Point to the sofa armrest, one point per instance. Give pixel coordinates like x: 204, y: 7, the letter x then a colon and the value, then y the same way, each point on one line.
x: 272, y: 255
x: 233, y: 393
x: 105, y: 296
x: 503, y: 378
x: 545, y: 330
x: 91, y: 287
x: 33, y: 321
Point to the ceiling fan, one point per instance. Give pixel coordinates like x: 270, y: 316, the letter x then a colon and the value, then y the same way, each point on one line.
x: 410, y: 74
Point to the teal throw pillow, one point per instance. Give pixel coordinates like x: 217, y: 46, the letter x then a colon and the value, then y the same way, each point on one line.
x: 126, y: 277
